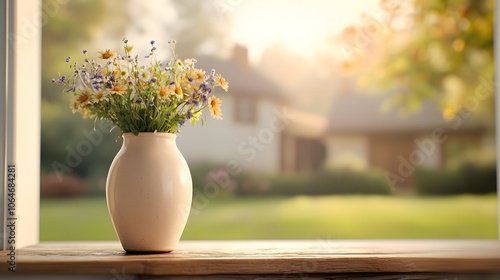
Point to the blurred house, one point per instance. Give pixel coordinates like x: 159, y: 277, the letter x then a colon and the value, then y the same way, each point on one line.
x: 249, y: 136
x: 358, y: 134
x: 261, y: 133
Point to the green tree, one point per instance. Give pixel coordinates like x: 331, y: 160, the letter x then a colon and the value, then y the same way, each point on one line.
x: 444, y: 53
x: 70, y: 26
x: 76, y: 25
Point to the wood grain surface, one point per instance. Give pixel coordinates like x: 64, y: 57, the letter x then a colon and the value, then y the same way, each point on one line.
x: 262, y: 258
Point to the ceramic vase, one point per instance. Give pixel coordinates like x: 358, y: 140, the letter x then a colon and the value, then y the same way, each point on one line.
x: 149, y: 193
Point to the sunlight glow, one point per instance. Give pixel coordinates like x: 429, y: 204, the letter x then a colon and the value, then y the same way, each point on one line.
x: 301, y: 26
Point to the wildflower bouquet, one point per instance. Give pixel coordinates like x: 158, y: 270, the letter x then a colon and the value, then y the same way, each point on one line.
x: 159, y: 97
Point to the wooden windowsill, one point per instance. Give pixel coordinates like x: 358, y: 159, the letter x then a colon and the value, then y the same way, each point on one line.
x: 262, y: 258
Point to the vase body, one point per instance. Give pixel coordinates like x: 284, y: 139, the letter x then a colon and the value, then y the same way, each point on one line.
x: 149, y: 193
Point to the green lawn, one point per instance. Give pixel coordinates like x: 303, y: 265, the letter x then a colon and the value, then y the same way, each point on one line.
x: 295, y: 218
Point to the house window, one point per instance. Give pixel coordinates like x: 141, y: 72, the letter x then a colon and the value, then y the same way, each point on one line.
x: 245, y: 109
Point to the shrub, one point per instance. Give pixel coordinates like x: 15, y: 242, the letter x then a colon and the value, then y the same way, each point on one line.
x: 289, y: 184
x: 250, y: 183
x: 335, y: 181
x: 349, y: 181
x: 207, y: 176
x: 467, y: 178
x: 60, y: 185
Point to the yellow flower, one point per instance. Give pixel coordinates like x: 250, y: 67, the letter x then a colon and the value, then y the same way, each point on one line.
x: 145, y: 75
x: 175, y: 89
x: 106, y: 54
x: 100, y: 96
x: 186, y: 85
x: 82, y: 99
x: 163, y: 93
x: 128, y: 48
x: 73, y: 105
x: 220, y: 81
x: 85, y: 111
x: 117, y: 88
x: 123, y: 72
x: 197, y: 75
x: 214, y: 107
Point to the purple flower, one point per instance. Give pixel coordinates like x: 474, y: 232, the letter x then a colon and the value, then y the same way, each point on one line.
x: 68, y: 58
x: 181, y: 122
x: 189, y: 115
x: 153, y: 80
x: 172, y: 83
x: 139, y: 100
x: 168, y: 114
x: 196, y: 102
x: 190, y: 79
x: 109, y: 84
x: 62, y: 79
x: 53, y: 80
x: 151, y: 103
x: 203, y: 87
x: 84, y: 51
x: 112, y: 77
x: 152, y: 42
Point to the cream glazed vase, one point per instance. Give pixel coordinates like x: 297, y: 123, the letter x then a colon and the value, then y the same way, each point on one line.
x: 149, y: 192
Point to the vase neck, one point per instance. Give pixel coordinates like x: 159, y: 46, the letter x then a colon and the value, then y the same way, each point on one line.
x: 149, y: 138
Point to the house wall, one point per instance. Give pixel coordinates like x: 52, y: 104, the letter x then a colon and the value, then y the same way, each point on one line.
x: 397, y: 153
x: 394, y: 153
x: 347, y: 150
x: 246, y: 146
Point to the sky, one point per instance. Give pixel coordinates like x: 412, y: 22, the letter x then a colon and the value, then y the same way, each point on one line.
x: 300, y: 25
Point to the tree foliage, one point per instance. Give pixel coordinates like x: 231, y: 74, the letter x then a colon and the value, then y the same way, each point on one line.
x: 78, y: 24
x: 443, y: 53
x: 70, y: 25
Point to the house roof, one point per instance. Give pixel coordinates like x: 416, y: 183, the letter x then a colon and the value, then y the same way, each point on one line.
x: 242, y: 77
x: 357, y: 112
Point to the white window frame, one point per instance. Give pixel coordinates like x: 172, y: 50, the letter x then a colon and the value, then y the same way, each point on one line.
x: 20, y: 30
x: 20, y: 80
